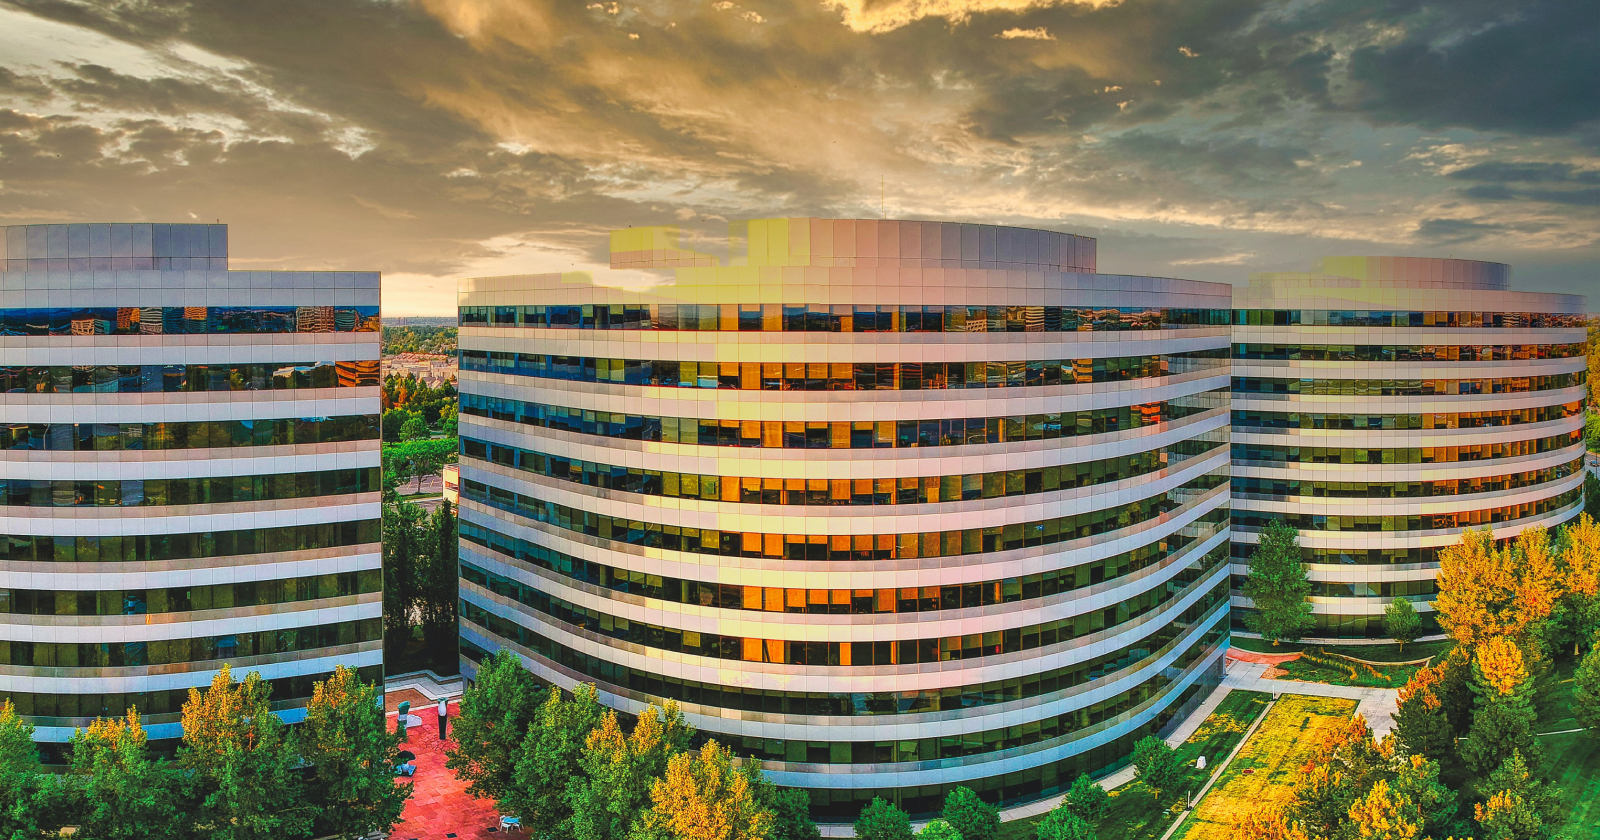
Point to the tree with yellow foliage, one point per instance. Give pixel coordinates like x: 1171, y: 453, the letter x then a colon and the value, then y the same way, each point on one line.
x: 619, y: 770
x: 1385, y: 814
x: 1502, y: 722
x: 1487, y: 590
x: 352, y: 755
x: 1580, y: 581
x: 1268, y: 823
x: 239, y: 764
x: 702, y: 796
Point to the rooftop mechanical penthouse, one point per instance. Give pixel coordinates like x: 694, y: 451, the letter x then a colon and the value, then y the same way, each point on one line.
x: 188, y: 473
x: 891, y: 506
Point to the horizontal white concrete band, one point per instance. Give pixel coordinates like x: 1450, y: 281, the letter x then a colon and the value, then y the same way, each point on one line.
x: 1441, y: 471
x: 1281, y: 369
x: 827, y: 406
x: 188, y: 407
x: 93, y: 577
x: 312, y: 664
x: 1405, y: 336
x: 841, y: 348
x: 1362, y: 572
x: 295, y: 614
x: 309, y: 515
x: 782, y: 677
x: 875, y: 519
x: 1320, y: 605
x: 847, y: 628
x: 155, y: 456
x: 1435, y: 538
x: 111, y: 468
x: 828, y: 463
x: 1407, y: 506
x: 864, y: 574
x: 900, y: 727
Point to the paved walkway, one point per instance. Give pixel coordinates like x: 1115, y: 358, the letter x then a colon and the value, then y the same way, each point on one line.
x: 1377, y: 705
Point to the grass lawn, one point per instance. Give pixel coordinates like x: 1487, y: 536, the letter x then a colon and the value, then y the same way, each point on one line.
x: 1571, y: 761
x: 1371, y: 653
x: 1264, y: 772
x: 1133, y: 814
x: 1315, y: 665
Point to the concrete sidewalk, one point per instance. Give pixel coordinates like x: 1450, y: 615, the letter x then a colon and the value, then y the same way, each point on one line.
x: 1377, y: 705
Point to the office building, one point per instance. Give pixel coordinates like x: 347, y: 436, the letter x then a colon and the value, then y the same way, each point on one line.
x: 890, y: 506
x: 1382, y: 405
x: 189, y: 480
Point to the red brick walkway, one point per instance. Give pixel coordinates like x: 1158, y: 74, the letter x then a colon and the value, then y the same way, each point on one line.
x: 440, y: 808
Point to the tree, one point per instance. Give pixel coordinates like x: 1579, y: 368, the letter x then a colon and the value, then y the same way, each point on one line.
x: 618, y: 771
x: 791, y: 812
x: 1591, y: 482
x: 1580, y: 577
x: 494, y: 719
x: 1434, y: 804
x: 413, y: 429
x: 438, y: 588
x: 403, y: 549
x: 1156, y: 764
x: 1586, y: 691
x: 1062, y: 824
x: 1086, y: 798
x: 1277, y: 586
x: 1502, y: 722
x: 240, y: 761
x: 702, y: 796
x: 121, y: 791
x: 970, y: 816
x: 353, y: 756
x: 20, y: 776
x: 882, y: 821
x: 938, y: 830
x: 1341, y: 770
x: 547, y: 758
x: 1385, y: 814
x: 1525, y: 806
x: 1487, y: 590
x: 1400, y: 621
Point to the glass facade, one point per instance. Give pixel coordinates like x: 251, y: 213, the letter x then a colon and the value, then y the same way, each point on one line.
x: 1002, y: 559
x: 1380, y: 421
x: 161, y: 510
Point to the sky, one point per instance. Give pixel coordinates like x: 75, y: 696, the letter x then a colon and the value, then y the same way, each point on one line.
x: 439, y: 139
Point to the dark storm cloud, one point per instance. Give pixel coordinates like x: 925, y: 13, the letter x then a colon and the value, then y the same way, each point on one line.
x: 1527, y: 67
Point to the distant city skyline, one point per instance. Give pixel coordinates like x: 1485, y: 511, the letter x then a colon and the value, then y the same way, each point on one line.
x: 458, y: 138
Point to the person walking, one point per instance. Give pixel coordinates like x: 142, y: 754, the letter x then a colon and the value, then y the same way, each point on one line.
x: 444, y: 717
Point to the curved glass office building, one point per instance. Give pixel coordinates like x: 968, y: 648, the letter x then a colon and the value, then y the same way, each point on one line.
x: 890, y: 506
x: 188, y: 473
x: 1381, y: 405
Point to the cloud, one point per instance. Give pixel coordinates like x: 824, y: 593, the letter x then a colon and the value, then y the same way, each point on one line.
x: 1038, y: 33
x: 879, y: 16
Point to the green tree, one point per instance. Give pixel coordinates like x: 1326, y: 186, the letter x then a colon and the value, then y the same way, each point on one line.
x: 970, y: 816
x: 1277, y: 586
x: 938, y: 830
x: 121, y: 792
x: 1062, y: 824
x: 438, y: 587
x: 413, y: 429
x: 1417, y: 779
x: 1401, y: 622
x: 20, y: 776
x: 703, y: 796
x: 1586, y: 691
x: 239, y: 761
x: 548, y: 758
x: 791, y: 812
x: 1503, y: 718
x: 880, y: 820
x: 393, y: 421
x: 1591, y: 483
x: 491, y: 725
x: 1384, y: 814
x: 1157, y: 765
x: 618, y: 771
x: 405, y: 546
x: 353, y: 756
x: 1086, y: 798
x: 1527, y: 808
